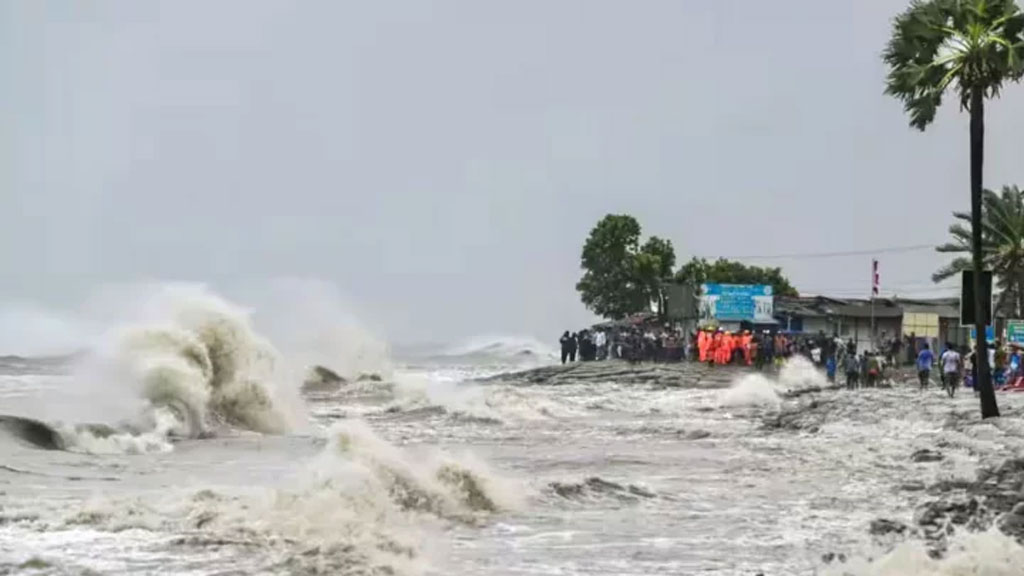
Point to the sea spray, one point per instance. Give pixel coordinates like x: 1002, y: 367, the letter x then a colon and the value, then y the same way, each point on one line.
x: 312, y: 324
x: 752, y: 390
x: 432, y: 482
x: 188, y: 353
x: 798, y: 373
x: 756, y: 389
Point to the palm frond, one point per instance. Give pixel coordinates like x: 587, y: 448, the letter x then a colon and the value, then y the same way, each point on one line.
x: 965, y: 45
x: 951, y: 248
x: 955, y: 267
x: 1002, y: 230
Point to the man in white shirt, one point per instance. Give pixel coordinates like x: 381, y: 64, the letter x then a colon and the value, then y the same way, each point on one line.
x: 951, y: 365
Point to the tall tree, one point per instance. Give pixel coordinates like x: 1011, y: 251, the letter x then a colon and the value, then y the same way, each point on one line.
x: 1002, y: 220
x: 722, y: 271
x: 610, y: 286
x: 971, y: 47
x: 619, y: 276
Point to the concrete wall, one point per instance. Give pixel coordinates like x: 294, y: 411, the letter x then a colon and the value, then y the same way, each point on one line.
x: 815, y: 325
x: 859, y: 329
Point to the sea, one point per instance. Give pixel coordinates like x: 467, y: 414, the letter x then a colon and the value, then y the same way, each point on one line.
x: 189, y: 441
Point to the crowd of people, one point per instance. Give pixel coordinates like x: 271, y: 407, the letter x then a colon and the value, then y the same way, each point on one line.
x: 1005, y: 360
x: 656, y: 343
x: 762, y: 350
x: 770, y: 349
x: 633, y: 344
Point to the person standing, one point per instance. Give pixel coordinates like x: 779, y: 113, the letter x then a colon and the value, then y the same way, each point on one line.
x: 852, y: 368
x: 952, y: 365
x: 1014, y: 368
x: 925, y: 359
x: 564, y: 342
x: 574, y: 346
x: 874, y: 370
x: 766, y: 352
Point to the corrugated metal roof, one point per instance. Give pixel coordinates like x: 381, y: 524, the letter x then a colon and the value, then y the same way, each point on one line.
x: 865, y: 311
x: 819, y: 306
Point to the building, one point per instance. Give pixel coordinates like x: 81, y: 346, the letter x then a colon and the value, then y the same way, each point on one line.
x: 864, y: 321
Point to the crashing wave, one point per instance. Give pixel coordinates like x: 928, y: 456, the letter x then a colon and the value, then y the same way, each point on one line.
x: 192, y: 365
x: 796, y: 378
x: 358, y: 507
x: 445, y: 488
x: 502, y: 348
x: 208, y: 367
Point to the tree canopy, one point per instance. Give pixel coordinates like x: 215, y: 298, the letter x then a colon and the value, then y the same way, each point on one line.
x: 722, y: 271
x: 971, y: 46
x: 621, y: 277
x: 1002, y: 217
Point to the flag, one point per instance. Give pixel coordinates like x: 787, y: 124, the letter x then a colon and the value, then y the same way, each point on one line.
x: 875, y: 283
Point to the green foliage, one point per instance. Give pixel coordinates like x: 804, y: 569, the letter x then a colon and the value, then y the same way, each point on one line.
x: 620, y: 277
x: 1002, y: 246
x: 662, y: 251
x: 966, y: 45
x: 699, y: 271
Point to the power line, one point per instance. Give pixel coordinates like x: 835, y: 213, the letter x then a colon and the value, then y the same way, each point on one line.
x: 809, y: 255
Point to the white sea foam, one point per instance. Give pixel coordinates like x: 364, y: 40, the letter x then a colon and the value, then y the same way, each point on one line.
x: 973, y: 554
x: 752, y: 390
x: 484, y: 402
x: 163, y: 423
x: 760, y: 390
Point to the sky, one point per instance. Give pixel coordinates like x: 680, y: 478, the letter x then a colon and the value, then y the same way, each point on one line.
x: 440, y: 163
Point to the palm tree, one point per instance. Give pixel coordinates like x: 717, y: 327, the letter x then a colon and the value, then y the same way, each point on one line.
x: 971, y: 47
x: 1002, y: 223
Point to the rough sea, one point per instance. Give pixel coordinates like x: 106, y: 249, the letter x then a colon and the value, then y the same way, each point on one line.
x: 188, y: 444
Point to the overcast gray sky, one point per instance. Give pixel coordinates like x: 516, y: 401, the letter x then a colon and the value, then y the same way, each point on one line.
x: 441, y: 162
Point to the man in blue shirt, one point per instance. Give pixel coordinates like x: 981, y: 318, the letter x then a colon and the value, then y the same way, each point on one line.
x: 925, y: 359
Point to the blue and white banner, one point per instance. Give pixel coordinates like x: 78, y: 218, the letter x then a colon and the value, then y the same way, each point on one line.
x: 736, y: 303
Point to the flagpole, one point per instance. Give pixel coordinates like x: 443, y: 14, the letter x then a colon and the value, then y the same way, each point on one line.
x: 874, y: 292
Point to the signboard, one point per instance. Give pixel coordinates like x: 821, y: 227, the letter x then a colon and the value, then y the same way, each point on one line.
x: 1015, y: 331
x: 990, y: 334
x: 736, y: 303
